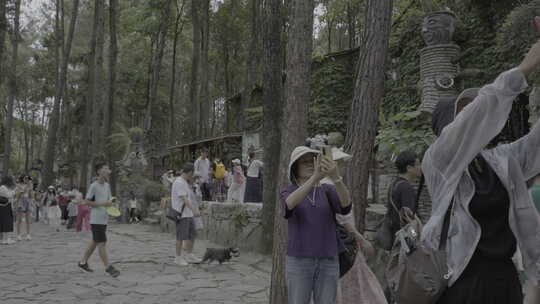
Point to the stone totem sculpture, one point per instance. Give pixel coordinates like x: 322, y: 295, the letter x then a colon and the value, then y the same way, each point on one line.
x: 437, y: 72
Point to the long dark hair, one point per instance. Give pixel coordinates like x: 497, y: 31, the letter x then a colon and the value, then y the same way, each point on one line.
x: 53, y: 191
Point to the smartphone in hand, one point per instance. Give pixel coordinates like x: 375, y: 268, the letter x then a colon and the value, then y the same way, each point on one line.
x: 327, y: 152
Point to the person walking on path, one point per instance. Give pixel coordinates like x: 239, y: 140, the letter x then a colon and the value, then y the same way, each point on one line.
x: 98, y: 197
x: 254, y: 185
x: 202, y: 169
x: 184, y: 202
x: 54, y: 214
x: 132, y: 204
x: 63, y: 202
x: 312, y: 265
x: 7, y: 192
x: 24, y: 195
x: 38, y: 198
x: 482, y: 191
x: 238, y: 185
x: 73, y: 210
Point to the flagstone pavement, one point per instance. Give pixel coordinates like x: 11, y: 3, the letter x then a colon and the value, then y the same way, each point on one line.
x: 44, y: 270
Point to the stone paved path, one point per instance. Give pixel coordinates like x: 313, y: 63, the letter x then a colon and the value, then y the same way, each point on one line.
x: 45, y: 270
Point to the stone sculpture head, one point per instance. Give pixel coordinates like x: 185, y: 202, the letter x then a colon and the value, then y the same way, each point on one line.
x: 438, y: 28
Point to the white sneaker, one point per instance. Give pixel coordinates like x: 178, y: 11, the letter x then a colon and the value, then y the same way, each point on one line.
x: 192, y: 259
x: 19, y: 237
x: 179, y: 260
x: 28, y: 237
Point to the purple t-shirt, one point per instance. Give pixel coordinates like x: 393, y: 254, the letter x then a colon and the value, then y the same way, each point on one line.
x: 312, y: 227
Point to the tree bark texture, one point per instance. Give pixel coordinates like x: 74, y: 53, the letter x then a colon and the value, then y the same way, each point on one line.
x: 52, y: 131
x: 12, y: 87
x: 89, y: 100
x: 111, y: 89
x: 153, y: 111
x: 193, y: 109
x: 254, y: 57
x: 294, y: 127
x: 205, y: 43
x: 98, y: 102
x: 177, y: 30
x: 368, y: 95
x: 3, y: 31
x: 272, y: 107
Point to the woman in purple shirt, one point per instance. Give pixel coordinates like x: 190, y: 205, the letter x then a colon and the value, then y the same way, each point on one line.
x: 312, y: 267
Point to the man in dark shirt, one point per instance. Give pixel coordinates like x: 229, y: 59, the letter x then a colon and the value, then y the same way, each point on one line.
x: 402, y: 191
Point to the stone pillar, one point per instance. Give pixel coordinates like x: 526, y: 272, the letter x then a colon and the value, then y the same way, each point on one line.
x: 437, y: 72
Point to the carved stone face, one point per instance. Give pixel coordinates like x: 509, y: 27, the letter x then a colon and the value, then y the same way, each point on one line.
x: 438, y: 28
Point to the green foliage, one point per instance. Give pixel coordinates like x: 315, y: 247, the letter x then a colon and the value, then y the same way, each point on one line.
x: 121, y: 141
x: 240, y: 219
x: 154, y: 191
x: 518, y: 32
x: 332, y: 88
x: 405, y: 131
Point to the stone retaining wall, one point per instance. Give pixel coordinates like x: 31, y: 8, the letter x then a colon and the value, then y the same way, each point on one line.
x: 227, y: 224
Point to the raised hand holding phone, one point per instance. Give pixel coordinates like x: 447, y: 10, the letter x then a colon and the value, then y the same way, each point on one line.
x: 532, y: 59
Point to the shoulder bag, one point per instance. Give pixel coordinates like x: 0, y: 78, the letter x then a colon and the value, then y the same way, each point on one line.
x: 417, y: 274
x: 347, y: 246
x: 174, y: 215
x: 384, y: 237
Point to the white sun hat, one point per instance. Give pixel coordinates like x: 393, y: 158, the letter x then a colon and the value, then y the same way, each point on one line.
x: 296, y: 154
x: 338, y: 154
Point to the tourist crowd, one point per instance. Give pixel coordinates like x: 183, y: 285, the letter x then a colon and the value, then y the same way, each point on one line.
x: 485, y: 217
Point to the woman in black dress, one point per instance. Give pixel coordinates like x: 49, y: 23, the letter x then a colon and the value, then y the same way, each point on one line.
x: 6, y: 210
x: 483, y: 189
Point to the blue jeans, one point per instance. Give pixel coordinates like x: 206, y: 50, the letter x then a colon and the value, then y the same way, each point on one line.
x: 312, y: 276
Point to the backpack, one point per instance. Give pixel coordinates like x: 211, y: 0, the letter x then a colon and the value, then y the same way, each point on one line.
x: 219, y: 173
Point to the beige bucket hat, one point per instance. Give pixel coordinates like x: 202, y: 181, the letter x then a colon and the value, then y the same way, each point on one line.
x: 295, y: 155
x: 338, y: 154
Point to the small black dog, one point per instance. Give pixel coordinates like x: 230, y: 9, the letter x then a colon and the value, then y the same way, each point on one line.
x: 220, y: 254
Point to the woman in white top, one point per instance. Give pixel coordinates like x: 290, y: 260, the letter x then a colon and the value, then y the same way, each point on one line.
x: 24, y: 195
x: 6, y: 212
x: 254, y: 185
x: 132, y: 204
x: 54, y: 213
x: 238, y: 185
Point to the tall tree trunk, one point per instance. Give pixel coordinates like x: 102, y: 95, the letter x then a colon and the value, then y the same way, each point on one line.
x: 32, y: 134
x: 3, y: 31
x: 205, y: 41
x: 12, y: 88
x: 368, y: 94
x: 109, y: 111
x: 23, y: 113
x: 89, y: 100
x: 177, y: 30
x: 50, y: 149
x: 154, y: 114
x: 272, y: 104
x: 193, y: 109
x: 98, y: 102
x: 294, y: 126
x: 352, y: 13
x: 254, y: 57
x: 40, y: 142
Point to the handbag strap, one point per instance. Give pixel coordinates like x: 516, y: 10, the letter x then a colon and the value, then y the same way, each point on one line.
x: 182, y: 210
x: 446, y: 226
x: 391, y: 200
